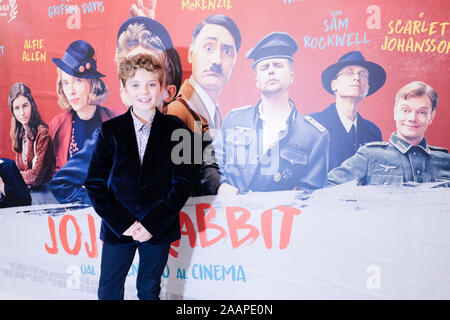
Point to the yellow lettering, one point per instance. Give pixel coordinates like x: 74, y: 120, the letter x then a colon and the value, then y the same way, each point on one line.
x: 401, y: 45
x: 384, y: 45
x: 184, y: 4
x: 416, y: 27
x: 409, y: 45
x: 432, y: 29
x: 391, y: 44
x: 441, y: 46
x: 408, y: 27
x: 443, y: 26
x: 418, y: 46
x: 423, y: 29
x: 399, y: 23
x: 390, y: 27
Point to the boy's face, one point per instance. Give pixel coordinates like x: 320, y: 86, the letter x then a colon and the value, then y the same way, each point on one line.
x: 143, y: 91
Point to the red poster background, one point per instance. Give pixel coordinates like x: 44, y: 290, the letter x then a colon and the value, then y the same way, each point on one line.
x: 255, y: 19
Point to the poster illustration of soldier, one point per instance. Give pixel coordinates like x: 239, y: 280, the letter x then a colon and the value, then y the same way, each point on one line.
x: 286, y: 104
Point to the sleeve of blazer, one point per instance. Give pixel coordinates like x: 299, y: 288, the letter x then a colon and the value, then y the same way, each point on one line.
x: 354, y: 168
x: 316, y: 174
x: 16, y: 191
x: 162, y: 215
x: 117, y: 217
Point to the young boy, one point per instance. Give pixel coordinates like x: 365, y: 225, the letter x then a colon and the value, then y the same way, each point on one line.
x: 134, y: 185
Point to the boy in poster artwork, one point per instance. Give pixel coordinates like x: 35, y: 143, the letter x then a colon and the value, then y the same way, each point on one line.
x: 135, y: 186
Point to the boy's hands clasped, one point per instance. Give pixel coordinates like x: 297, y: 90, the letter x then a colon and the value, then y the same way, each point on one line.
x: 138, y: 232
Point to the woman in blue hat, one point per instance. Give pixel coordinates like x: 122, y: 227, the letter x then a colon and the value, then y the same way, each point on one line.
x: 80, y: 93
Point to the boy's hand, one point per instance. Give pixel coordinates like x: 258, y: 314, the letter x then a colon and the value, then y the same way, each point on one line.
x: 2, y: 186
x: 225, y: 189
x: 141, y: 234
x: 131, y: 230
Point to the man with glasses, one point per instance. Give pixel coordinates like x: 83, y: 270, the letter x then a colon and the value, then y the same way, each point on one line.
x: 406, y: 158
x: 350, y: 80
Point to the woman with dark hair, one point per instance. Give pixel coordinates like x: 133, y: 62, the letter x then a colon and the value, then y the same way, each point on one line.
x: 80, y: 93
x: 30, y: 137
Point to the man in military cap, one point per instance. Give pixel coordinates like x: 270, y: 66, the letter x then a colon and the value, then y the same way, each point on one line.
x: 271, y: 146
x: 406, y: 158
x: 350, y: 80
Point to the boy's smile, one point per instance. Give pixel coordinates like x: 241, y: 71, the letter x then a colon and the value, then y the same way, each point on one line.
x: 144, y: 92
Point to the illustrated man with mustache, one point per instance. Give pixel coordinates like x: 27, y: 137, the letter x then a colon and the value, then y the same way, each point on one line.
x: 271, y: 146
x: 212, y: 54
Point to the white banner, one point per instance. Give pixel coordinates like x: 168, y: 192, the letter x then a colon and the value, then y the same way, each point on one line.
x: 345, y: 242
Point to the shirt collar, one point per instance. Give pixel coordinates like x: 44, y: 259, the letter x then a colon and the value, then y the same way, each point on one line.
x: 290, y: 119
x: 346, y: 121
x: 207, y: 101
x: 138, y: 125
x: 404, y: 146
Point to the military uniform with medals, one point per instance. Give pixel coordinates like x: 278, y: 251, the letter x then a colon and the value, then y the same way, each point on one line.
x: 298, y: 159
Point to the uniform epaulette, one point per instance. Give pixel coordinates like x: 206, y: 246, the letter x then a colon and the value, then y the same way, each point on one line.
x: 434, y: 148
x: 376, y: 143
x: 240, y: 108
x: 316, y: 124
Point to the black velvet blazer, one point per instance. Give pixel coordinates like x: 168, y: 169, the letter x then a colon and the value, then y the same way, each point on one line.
x: 123, y: 191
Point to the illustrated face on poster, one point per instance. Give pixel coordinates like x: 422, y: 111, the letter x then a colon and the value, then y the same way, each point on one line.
x: 76, y: 90
x: 212, y: 55
x: 22, y: 110
x: 140, y: 32
x: 273, y: 75
x: 351, y: 81
x: 412, y: 117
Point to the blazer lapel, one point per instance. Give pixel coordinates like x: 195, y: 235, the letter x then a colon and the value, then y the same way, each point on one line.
x: 153, y: 139
x: 129, y: 138
x: 154, y: 143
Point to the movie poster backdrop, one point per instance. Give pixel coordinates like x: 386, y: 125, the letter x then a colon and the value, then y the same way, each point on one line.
x: 408, y: 38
